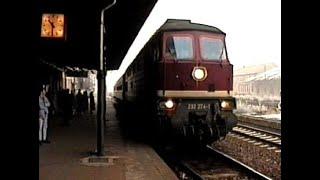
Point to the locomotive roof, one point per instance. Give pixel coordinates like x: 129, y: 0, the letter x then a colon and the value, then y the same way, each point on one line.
x: 182, y: 25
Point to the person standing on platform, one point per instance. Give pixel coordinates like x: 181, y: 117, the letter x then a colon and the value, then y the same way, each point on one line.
x: 85, y: 102
x: 44, y: 105
x: 67, y: 111
x: 79, y: 103
x: 92, y: 104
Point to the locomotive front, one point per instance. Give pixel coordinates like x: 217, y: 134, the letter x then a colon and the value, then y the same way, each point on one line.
x: 195, y: 81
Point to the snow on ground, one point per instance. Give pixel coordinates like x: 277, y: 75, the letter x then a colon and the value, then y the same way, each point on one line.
x: 271, y: 116
x: 266, y: 116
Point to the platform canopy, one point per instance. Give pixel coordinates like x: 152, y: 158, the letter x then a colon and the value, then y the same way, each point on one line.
x: 80, y: 45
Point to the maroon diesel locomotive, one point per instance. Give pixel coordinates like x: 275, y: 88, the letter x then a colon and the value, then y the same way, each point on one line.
x: 182, y: 78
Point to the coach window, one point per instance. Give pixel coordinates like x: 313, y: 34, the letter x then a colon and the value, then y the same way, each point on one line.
x: 156, y: 54
x: 136, y: 67
x: 140, y: 61
x: 130, y: 71
x: 134, y: 70
x: 180, y: 47
x: 212, y: 49
x: 125, y: 88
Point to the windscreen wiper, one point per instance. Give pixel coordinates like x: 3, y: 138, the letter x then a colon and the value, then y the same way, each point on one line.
x: 220, y: 58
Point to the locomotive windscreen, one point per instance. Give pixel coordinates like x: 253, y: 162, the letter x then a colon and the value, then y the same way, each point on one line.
x: 212, y: 49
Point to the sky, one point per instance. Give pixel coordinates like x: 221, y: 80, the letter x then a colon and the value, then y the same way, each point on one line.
x: 252, y: 27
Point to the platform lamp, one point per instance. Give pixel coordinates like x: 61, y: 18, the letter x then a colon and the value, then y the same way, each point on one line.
x: 101, y: 109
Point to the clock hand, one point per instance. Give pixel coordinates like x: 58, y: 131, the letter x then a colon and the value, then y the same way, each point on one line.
x: 52, y: 26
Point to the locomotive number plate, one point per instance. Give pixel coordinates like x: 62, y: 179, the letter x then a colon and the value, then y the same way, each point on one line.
x: 198, y: 106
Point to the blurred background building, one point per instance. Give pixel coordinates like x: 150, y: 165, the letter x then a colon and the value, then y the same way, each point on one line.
x: 258, y: 88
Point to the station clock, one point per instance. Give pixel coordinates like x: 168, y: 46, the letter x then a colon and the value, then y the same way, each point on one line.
x: 53, y: 26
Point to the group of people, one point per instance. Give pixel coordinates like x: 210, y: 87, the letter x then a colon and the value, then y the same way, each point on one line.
x: 75, y: 104
x: 70, y: 105
x: 82, y: 103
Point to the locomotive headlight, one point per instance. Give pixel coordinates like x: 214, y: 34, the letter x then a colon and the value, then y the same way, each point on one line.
x: 169, y: 104
x: 199, y: 73
x: 226, y: 105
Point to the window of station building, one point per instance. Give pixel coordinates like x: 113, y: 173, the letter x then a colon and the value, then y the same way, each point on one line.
x: 180, y: 47
x: 212, y: 49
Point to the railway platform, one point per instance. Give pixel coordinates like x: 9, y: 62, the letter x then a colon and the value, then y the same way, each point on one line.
x: 63, y: 158
x: 270, y: 124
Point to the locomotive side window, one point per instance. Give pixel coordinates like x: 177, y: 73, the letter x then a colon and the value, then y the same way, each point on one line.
x: 212, y: 49
x: 180, y: 47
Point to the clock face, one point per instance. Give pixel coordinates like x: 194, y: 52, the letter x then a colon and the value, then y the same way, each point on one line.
x: 52, y: 25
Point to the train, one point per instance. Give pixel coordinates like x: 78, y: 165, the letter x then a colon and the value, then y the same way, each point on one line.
x: 182, y: 81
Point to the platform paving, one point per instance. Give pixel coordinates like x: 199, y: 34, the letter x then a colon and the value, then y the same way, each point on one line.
x: 133, y: 160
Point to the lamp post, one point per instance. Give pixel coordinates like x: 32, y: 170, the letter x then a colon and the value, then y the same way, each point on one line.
x: 101, y: 109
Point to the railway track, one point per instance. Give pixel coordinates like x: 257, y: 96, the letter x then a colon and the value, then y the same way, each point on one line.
x: 247, y: 169
x: 210, y: 164
x: 259, y: 135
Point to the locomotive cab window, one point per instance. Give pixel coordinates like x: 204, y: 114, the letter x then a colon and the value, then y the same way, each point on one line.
x: 180, y: 47
x: 212, y: 49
